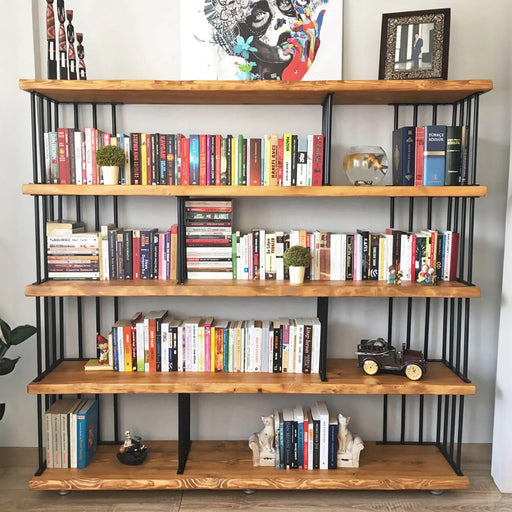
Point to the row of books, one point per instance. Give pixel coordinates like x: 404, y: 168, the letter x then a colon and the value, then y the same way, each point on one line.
x: 134, y: 254
x: 306, y: 438
x: 112, y: 254
x: 196, y: 159
x: 157, y: 342
x: 434, y: 155
x: 208, y: 238
x: 71, y: 432
x: 347, y: 256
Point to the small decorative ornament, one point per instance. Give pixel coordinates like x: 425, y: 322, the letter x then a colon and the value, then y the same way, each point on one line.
x: 349, y: 444
x: 365, y: 165
x: 132, y: 452
x: 427, y: 276
x: 395, y: 277
x: 262, y: 444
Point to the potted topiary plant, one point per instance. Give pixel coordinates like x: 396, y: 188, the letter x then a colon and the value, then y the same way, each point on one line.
x: 110, y: 158
x: 297, y: 258
x: 10, y: 337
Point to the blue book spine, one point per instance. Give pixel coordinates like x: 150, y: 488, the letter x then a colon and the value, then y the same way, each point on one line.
x: 115, y: 350
x: 300, y: 445
x: 403, y: 156
x: 434, y: 159
x: 194, y: 159
x: 281, y: 445
x: 332, y: 463
x: 87, y: 434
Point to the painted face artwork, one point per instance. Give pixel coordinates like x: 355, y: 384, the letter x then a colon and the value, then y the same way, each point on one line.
x: 267, y: 39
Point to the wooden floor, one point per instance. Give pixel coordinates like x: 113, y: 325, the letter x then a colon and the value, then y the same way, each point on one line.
x: 17, y: 467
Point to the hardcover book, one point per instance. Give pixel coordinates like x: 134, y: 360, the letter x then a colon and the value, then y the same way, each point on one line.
x: 87, y: 432
x: 403, y: 156
x: 434, y: 155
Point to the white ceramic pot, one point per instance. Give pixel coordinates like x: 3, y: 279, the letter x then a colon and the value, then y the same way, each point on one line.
x: 110, y: 175
x: 297, y: 275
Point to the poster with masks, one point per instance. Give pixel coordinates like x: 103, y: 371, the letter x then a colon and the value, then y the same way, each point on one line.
x: 261, y: 39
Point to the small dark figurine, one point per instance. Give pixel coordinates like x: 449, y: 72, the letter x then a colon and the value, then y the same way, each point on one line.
x: 395, y: 277
x: 132, y: 452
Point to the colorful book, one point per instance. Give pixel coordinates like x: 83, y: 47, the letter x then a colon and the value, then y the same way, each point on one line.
x: 87, y: 432
x: 434, y: 161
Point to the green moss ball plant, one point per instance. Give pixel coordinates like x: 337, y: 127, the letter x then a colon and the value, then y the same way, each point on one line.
x: 110, y: 156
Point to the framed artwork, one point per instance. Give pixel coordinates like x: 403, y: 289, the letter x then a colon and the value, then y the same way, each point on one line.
x: 415, y: 45
x: 261, y: 39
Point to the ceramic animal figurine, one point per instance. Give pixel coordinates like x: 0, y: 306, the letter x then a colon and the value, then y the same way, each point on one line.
x: 349, y: 445
x: 262, y: 443
x: 266, y: 435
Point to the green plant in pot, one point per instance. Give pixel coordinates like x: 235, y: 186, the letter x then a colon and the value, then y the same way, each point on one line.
x: 297, y: 258
x: 110, y: 158
x: 10, y: 337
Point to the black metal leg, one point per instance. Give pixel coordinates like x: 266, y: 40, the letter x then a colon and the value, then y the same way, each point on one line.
x: 183, y: 430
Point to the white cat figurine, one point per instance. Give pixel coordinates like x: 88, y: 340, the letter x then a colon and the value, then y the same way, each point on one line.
x: 266, y: 436
x: 349, y: 445
x: 345, y: 437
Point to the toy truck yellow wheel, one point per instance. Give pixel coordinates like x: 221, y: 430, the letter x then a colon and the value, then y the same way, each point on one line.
x: 413, y: 372
x: 370, y: 367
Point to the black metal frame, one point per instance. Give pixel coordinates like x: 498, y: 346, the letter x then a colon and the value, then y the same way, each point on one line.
x: 455, y: 343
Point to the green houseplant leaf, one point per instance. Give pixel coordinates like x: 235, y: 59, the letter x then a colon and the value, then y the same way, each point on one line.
x: 8, y: 338
x: 21, y: 333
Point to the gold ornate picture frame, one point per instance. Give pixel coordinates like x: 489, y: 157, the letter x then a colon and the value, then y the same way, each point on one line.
x: 414, y: 45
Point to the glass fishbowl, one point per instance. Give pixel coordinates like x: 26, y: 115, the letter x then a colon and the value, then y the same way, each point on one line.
x: 365, y: 165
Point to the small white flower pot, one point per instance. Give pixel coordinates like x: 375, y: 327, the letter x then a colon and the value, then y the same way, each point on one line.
x: 297, y: 275
x: 110, y: 175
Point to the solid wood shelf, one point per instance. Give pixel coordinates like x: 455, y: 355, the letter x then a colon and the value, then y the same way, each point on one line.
x: 239, y: 288
x: 250, y: 191
x: 257, y: 92
x: 343, y: 378
x: 224, y: 465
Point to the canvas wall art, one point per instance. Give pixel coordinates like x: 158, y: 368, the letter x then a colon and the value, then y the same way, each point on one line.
x: 261, y: 39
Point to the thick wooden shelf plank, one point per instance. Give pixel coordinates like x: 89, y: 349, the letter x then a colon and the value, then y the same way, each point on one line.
x: 257, y: 92
x: 223, y: 465
x: 343, y: 378
x: 250, y: 191
x: 239, y: 288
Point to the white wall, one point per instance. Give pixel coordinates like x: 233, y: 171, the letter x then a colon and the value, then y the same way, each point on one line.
x: 477, y: 37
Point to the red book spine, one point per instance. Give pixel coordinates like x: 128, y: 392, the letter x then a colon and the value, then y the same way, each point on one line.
x: 280, y: 155
x: 185, y: 161
x: 217, y: 158
x: 64, y: 165
x: 136, y: 255
x: 152, y: 344
x: 418, y: 155
x: 318, y: 161
x: 202, y: 159
x: 454, y: 256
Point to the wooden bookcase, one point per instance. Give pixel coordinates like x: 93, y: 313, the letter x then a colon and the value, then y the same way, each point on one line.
x: 186, y: 464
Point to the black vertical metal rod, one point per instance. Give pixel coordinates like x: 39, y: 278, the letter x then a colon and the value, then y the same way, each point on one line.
x: 415, y: 115
x: 420, y: 419
x: 439, y: 419
x: 459, y: 433
x: 402, y: 419
x: 474, y: 130
x: 445, y: 422
x: 434, y: 114
x: 322, y: 314
x: 465, y: 356
x: 385, y: 419
x: 452, y: 426
x: 183, y: 430
x: 327, y: 132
